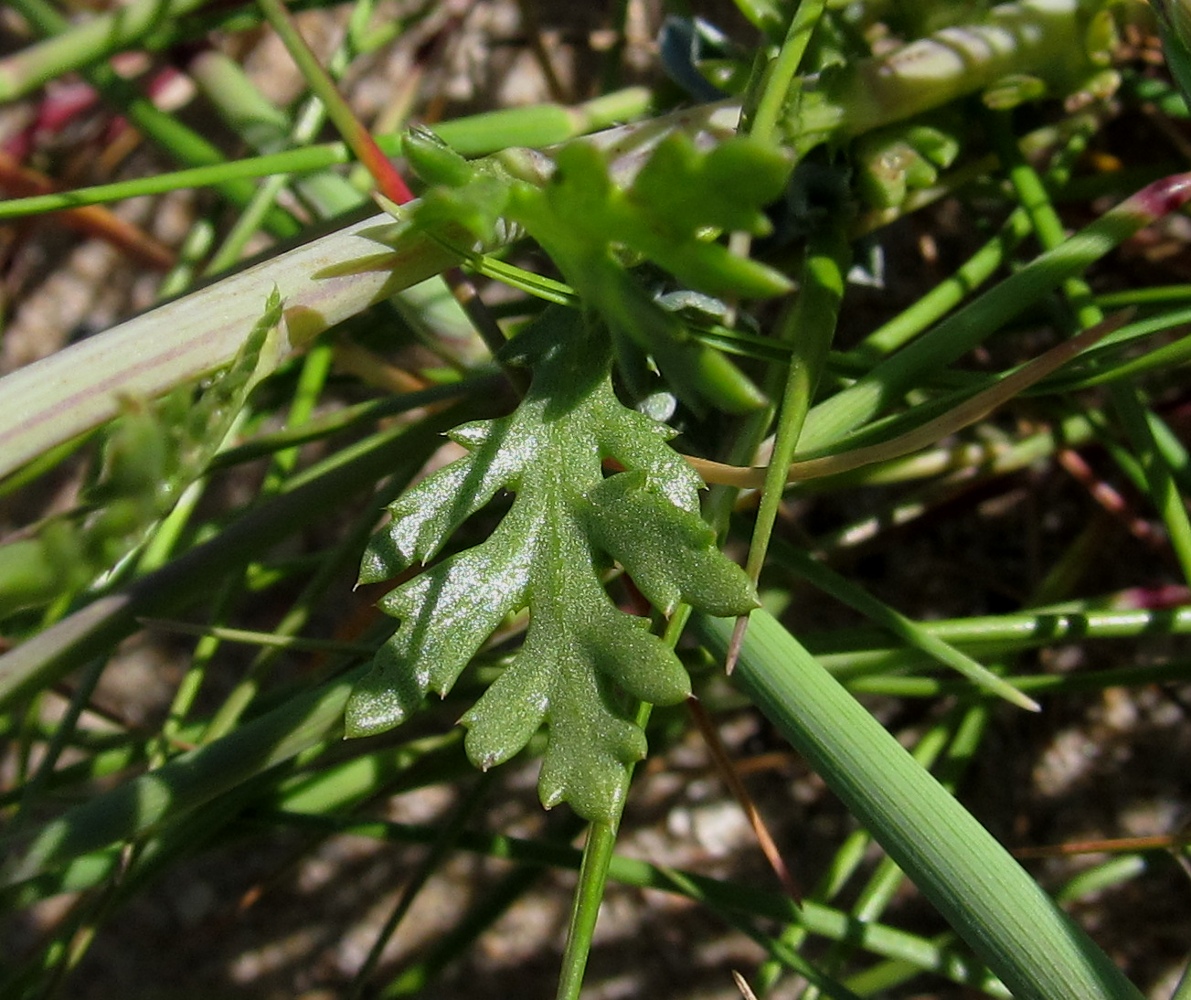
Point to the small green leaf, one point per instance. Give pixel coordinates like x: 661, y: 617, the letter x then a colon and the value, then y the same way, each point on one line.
x: 433, y: 160
x: 726, y: 188
x: 476, y: 207
x: 669, y: 552
x: 151, y: 453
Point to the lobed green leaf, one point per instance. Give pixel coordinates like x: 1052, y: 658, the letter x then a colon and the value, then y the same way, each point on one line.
x: 584, y: 662
x: 670, y: 553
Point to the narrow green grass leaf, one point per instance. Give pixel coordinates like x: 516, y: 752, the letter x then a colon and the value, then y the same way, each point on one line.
x: 986, y: 896
x: 87, y: 43
x: 904, y: 628
x: 887, y: 382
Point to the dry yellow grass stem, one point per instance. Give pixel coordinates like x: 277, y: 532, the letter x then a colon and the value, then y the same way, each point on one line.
x: 964, y: 415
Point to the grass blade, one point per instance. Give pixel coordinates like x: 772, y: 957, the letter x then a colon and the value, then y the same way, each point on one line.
x: 986, y: 896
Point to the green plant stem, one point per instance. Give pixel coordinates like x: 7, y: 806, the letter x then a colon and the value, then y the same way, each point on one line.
x: 944, y: 296
x: 1136, y: 420
x: 778, y: 77
x: 269, y: 130
x: 958, y: 333
x: 1173, y: 672
x: 46, y: 657
x: 218, y: 175
x: 1003, y: 634
x: 1114, y: 370
x: 388, y: 180
x: 955, y: 412
x: 353, y: 417
x: 34, y: 785
x: 597, y: 856
x: 187, y: 692
x: 593, y: 873
x: 1134, y: 416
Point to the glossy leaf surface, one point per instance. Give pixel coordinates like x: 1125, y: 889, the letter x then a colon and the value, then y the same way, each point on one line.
x: 584, y: 662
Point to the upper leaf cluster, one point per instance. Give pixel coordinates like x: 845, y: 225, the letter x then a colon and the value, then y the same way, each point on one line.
x: 679, y: 201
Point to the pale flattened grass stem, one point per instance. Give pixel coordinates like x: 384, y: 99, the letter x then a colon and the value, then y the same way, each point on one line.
x: 72, y: 391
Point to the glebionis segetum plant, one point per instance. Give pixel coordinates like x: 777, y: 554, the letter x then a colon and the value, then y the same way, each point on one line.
x: 857, y: 296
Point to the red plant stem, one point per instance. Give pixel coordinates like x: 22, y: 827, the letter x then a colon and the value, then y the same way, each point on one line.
x: 92, y: 220
x: 1107, y: 497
